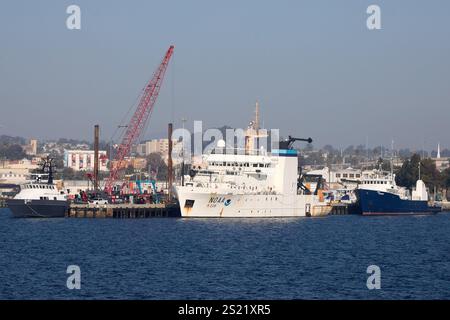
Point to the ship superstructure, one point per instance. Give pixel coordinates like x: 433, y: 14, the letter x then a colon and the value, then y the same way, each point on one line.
x: 249, y: 182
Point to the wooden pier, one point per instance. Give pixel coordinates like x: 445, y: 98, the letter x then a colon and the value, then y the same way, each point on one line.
x: 123, y: 211
x: 334, y: 209
x: 444, y: 204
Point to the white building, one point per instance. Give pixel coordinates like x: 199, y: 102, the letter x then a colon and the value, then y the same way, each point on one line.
x: 17, y: 171
x: 83, y: 160
x: 161, y: 146
x: 338, y: 176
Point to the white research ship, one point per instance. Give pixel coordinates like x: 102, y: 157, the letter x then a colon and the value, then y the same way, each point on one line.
x: 255, y: 184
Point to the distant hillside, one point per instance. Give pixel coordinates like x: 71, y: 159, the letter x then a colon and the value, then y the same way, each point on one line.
x: 8, y: 140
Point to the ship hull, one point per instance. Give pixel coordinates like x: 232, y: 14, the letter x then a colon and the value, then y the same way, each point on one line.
x: 194, y: 204
x: 376, y: 203
x: 37, y: 208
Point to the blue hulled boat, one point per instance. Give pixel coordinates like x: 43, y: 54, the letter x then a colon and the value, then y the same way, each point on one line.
x: 378, y: 194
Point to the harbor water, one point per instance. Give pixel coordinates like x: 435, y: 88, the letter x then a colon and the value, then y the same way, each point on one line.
x: 174, y: 258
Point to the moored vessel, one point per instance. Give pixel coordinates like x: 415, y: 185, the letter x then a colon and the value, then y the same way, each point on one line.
x: 378, y: 194
x: 250, y: 182
x: 39, y: 198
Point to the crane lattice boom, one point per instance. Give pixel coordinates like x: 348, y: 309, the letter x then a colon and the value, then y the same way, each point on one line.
x: 138, y: 120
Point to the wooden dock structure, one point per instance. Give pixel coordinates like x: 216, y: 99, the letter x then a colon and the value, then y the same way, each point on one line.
x: 334, y: 209
x: 123, y: 211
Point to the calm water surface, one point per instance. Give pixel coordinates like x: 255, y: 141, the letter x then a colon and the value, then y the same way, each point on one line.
x: 306, y: 258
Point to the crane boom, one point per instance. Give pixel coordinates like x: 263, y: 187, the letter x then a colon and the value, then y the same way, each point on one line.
x: 138, y: 120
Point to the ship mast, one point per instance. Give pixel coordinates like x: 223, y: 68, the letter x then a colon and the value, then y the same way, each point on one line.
x: 253, y: 132
x: 257, y: 117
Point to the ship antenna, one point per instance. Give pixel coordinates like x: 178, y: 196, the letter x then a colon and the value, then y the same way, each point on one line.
x: 392, y: 158
x: 419, y: 169
x: 50, y: 170
x: 257, y: 116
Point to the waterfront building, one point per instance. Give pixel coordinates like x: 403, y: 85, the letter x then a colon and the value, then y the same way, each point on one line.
x: 338, y: 178
x: 442, y: 163
x: 83, y: 160
x: 31, y: 148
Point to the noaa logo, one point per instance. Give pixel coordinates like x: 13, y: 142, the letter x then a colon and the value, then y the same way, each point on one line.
x: 227, y: 202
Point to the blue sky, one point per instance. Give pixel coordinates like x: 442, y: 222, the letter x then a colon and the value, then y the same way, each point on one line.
x: 313, y: 65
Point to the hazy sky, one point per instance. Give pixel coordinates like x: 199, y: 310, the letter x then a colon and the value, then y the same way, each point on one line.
x: 313, y: 65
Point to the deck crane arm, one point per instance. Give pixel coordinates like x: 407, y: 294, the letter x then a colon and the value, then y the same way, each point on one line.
x: 288, y: 144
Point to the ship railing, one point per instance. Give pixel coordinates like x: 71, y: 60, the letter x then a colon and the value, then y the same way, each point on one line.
x: 239, y: 151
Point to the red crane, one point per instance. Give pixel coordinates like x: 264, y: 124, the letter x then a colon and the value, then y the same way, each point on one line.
x: 138, y: 120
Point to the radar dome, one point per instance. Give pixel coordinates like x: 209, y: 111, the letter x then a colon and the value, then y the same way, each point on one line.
x: 221, y: 144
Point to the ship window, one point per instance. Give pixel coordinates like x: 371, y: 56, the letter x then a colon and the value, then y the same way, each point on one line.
x: 189, y: 203
x: 345, y: 175
x: 261, y: 165
x: 352, y: 175
x: 255, y: 165
x: 358, y: 175
x: 54, y: 198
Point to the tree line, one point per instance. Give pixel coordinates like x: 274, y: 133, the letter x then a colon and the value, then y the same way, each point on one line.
x: 425, y: 169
